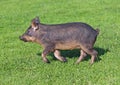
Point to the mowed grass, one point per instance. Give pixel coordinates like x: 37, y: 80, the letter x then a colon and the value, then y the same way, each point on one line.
x: 21, y: 64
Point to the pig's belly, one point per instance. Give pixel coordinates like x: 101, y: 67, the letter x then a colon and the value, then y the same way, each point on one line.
x: 67, y: 46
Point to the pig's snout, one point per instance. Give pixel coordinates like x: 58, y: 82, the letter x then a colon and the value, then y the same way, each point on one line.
x: 22, y: 38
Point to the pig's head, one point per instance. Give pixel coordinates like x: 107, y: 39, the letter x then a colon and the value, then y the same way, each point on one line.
x: 31, y: 32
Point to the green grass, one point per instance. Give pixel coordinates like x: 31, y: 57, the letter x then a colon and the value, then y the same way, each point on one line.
x: 20, y: 63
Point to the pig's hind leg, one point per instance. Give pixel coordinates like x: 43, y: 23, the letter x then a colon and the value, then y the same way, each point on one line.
x: 93, y: 54
x: 58, y: 56
x: 82, y: 56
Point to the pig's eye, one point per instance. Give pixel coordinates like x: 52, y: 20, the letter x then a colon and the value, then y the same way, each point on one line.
x: 29, y: 33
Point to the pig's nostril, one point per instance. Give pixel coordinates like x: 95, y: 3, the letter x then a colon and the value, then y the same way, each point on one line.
x: 20, y: 37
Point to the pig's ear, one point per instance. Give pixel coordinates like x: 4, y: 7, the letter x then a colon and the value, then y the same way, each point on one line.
x: 35, y: 23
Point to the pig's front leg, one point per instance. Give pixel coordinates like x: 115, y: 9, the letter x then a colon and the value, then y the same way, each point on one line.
x: 44, y: 57
x: 46, y: 51
x: 58, y: 56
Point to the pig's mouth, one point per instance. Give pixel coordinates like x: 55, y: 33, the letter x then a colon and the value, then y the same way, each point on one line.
x: 23, y: 39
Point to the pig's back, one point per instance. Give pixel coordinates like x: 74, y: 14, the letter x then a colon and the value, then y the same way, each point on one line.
x: 71, y: 30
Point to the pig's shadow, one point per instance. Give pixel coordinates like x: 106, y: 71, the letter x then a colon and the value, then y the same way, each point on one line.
x: 76, y: 53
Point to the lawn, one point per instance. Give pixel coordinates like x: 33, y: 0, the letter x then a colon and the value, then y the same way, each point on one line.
x: 21, y: 64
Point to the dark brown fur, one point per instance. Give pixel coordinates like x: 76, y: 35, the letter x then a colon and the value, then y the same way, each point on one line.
x: 66, y: 36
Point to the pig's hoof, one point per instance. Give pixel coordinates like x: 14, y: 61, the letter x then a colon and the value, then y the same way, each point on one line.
x: 64, y: 59
x: 77, y: 62
x: 91, y: 63
x: 46, y: 60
